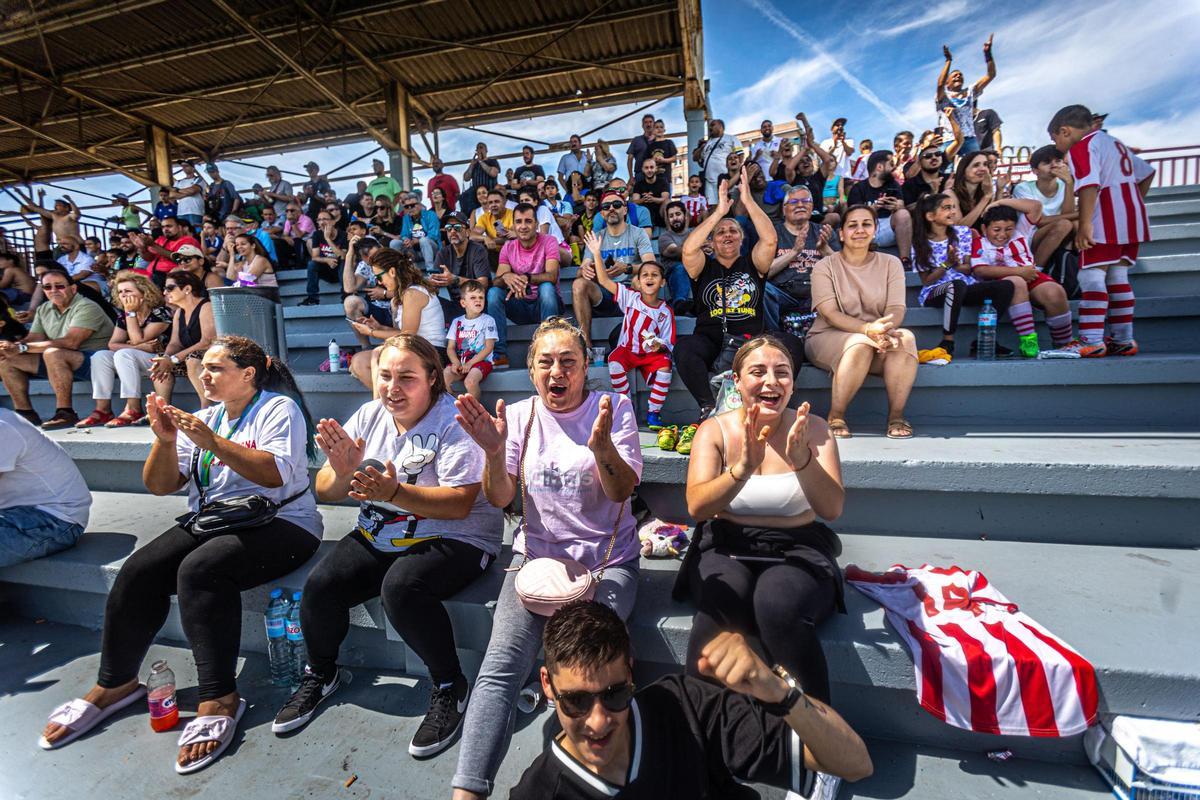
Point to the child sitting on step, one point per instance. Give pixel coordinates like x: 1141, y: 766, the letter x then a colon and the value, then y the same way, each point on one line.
x: 471, y: 340
x: 1001, y: 255
x: 647, y: 331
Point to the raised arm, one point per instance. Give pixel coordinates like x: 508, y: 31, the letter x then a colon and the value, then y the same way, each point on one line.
x: 944, y: 75
x: 991, y: 67
x: 764, y: 249
x: 693, y: 253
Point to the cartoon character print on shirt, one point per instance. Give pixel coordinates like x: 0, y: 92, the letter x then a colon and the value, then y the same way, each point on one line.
x: 739, y: 294
x: 418, y: 453
x: 468, y: 341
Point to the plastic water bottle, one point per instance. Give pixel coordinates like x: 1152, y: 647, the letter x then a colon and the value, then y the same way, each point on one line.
x: 160, y: 692
x: 297, y: 652
x: 986, y: 348
x: 277, y: 644
x: 335, y: 356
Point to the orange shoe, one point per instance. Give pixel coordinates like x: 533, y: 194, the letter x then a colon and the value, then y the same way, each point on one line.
x: 1116, y: 348
x: 1085, y: 349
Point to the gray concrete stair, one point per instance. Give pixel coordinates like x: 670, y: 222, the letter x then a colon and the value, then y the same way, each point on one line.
x: 1128, y: 609
x: 1037, y: 485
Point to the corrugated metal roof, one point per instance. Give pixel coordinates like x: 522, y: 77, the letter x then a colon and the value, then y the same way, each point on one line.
x: 83, y: 79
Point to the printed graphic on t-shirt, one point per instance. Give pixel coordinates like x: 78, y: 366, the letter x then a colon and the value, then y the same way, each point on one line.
x: 418, y: 453
x: 734, y: 298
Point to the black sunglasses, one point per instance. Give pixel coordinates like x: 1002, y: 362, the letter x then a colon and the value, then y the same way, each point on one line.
x: 170, y: 287
x: 411, y: 205
x: 579, y: 704
x: 617, y: 204
x: 381, y: 206
x: 379, y: 274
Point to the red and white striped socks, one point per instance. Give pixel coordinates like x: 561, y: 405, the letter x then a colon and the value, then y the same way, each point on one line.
x: 619, y: 378
x: 1094, y: 305
x: 659, y: 385
x: 1120, y: 303
x: 1060, y: 328
x: 1021, y: 315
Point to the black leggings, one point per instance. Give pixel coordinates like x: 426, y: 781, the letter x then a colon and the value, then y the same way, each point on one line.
x: 411, y: 584
x: 695, y: 354
x: 209, y: 577
x: 780, y: 603
x: 953, y: 295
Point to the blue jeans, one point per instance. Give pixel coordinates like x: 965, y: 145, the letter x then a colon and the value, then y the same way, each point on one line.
x: 520, y: 311
x: 195, y: 220
x: 777, y: 303
x: 27, y: 532
x: 679, y: 283
x: 316, y: 272
x: 970, y: 145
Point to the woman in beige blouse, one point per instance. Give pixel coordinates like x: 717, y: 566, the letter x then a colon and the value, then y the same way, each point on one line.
x: 859, y: 298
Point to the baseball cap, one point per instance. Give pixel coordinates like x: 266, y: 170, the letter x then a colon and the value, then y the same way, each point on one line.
x: 311, y: 164
x: 455, y: 217
x: 838, y: 121
x: 188, y: 250
x: 1099, y: 117
x: 120, y: 196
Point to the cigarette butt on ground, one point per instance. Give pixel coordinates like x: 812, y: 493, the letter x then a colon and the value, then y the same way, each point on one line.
x: 350, y: 781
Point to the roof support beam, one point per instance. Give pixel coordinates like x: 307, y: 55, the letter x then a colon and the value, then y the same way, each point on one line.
x: 141, y: 179
x: 285, y: 57
x: 60, y: 21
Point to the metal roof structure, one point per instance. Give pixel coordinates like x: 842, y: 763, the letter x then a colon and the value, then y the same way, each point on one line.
x: 86, y: 86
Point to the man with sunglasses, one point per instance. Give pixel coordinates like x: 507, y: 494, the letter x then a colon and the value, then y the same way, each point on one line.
x: 621, y: 246
x: 926, y: 176
x: 295, y: 233
x: 65, y: 332
x: 460, y: 260
x: 637, y: 214
x: 420, y: 229
x: 802, y: 243
x: 160, y: 252
x: 679, y: 736
x: 326, y: 248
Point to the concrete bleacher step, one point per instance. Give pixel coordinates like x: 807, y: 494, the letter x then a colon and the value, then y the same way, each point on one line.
x: 1128, y: 609
x: 318, y: 762
x: 1031, y: 485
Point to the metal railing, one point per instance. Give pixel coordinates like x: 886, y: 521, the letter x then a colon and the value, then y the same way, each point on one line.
x: 1173, y: 166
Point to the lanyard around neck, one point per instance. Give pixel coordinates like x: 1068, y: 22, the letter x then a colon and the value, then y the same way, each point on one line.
x: 206, y: 456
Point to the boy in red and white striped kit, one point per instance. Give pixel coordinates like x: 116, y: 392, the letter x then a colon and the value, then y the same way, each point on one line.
x: 1110, y: 184
x: 647, y: 332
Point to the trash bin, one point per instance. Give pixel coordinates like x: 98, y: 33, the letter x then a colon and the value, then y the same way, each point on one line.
x: 254, y: 312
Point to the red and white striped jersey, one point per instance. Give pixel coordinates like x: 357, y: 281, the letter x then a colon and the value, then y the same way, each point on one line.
x: 1102, y: 161
x: 1014, y: 254
x: 642, y: 322
x: 980, y: 663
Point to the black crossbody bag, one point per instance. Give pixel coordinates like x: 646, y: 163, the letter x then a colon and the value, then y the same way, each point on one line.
x: 232, y: 514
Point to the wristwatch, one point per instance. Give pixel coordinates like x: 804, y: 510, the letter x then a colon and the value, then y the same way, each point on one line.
x: 22, y: 347
x: 784, y: 706
x: 175, y: 360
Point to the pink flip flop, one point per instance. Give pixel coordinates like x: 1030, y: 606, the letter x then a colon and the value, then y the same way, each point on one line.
x: 79, y: 716
x: 209, y: 729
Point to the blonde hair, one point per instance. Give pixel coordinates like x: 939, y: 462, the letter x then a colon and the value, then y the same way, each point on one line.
x: 151, y: 295
x: 555, y: 325
x: 602, y: 147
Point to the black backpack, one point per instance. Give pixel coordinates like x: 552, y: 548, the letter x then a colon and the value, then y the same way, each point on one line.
x: 1064, y: 268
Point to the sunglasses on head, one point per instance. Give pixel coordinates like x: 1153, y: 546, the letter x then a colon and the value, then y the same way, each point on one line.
x: 579, y: 704
x: 618, y: 190
x: 617, y: 204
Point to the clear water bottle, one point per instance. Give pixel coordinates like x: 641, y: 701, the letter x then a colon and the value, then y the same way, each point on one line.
x: 297, y: 652
x: 160, y: 693
x: 335, y: 356
x: 986, y: 348
x: 277, y: 645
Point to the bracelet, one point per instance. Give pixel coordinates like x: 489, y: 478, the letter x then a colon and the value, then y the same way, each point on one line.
x: 806, y: 463
x: 735, y: 477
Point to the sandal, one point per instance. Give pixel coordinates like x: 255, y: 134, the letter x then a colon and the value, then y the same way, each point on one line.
x: 95, y: 419
x: 899, y: 429
x: 199, y: 730
x: 125, y: 419
x: 838, y: 429
x: 79, y: 716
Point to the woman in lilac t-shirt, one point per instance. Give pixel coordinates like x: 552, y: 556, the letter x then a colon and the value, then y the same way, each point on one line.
x: 581, y: 466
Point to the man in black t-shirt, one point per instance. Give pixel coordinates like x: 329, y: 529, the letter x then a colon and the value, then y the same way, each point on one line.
x: 652, y: 190
x: 325, y: 251
x: 679, y: 737
x: 929, y: 177
x: 881, y: 191
x: 460, y: 260
x: 527, y: 173
x: 482, y: 171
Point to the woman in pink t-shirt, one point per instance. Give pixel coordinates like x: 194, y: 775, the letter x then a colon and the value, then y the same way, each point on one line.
x: 581, y: 464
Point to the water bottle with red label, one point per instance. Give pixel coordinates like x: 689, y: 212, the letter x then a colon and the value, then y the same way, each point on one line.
x: 160, y: 691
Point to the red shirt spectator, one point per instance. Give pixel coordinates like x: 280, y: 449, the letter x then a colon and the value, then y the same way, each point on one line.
x: 446, y: 183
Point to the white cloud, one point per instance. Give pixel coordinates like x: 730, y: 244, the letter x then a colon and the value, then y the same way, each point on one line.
x: 898, y: 23
x: 778, y: 92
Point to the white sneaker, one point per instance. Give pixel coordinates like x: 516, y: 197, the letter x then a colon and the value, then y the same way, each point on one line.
x: 825, y: 787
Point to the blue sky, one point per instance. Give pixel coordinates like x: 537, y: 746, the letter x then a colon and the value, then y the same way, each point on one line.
x: 876, y: 63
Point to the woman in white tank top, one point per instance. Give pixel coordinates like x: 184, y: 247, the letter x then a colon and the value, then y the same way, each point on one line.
x: 415, y: 309
x: 761, y: 563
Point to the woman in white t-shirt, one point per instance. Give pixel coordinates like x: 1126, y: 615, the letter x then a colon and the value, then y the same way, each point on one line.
x: 425, y: 532
x: 415, y: 309
x: 254, y: 440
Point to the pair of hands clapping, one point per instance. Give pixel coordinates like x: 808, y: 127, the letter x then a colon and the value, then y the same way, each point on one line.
x: 491, y: 432
x: 797, y: 450
x: 346, y: 455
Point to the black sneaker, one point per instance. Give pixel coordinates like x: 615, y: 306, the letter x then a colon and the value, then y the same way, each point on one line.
x: 443, y: 720
x: 297, y: 711
x: 1001, y: 350
x: 310, y: 301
